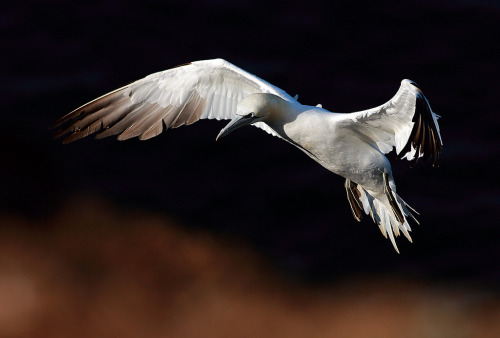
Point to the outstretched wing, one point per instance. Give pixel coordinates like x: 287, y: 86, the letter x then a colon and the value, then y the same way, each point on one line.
x: 209, y: 89
x: 406, y: 122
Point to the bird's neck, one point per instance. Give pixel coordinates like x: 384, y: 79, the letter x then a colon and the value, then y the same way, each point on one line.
x: 280, y: 111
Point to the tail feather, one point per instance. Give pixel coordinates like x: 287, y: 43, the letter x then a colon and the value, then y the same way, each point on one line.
x: 381, y: 208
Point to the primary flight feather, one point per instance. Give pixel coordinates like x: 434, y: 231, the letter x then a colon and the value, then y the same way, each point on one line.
x: 351, y: 145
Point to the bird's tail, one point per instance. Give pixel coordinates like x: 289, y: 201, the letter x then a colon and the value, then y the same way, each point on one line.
x: 389, y: 211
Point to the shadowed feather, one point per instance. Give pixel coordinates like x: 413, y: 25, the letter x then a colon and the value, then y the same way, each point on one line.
x: 353, y: 196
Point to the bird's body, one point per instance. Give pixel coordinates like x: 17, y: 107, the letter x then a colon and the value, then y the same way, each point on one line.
x: 321, y: 135
x: 350, y: 145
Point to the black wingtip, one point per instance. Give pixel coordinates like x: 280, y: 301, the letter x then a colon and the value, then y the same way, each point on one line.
x: 424, y: 137
x: 414, y: 84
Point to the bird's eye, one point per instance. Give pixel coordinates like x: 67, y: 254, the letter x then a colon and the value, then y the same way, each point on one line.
x: 250, y: 115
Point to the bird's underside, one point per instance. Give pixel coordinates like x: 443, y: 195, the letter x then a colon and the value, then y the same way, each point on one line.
x: 216, y: 89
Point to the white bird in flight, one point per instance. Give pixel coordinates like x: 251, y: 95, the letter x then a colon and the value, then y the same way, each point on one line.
x: 351, y: 145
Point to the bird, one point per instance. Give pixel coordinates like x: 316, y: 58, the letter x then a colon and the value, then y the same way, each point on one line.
x: 352, y: 145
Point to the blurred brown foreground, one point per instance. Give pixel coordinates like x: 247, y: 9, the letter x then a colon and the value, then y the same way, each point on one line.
x: 95, y: 271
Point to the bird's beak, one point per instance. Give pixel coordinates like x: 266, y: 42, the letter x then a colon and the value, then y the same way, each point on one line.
x: 237, y: 122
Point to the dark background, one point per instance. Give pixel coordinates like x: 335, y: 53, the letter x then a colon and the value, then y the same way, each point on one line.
x: 250, y: 192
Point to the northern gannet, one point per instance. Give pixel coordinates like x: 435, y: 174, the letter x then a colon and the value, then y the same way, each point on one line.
x: 351, y: 145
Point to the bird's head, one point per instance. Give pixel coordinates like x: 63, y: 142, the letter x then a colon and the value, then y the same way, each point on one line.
x: 253, y: 108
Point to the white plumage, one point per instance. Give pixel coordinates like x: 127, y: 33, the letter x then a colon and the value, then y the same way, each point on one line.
x: 351, y: 145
